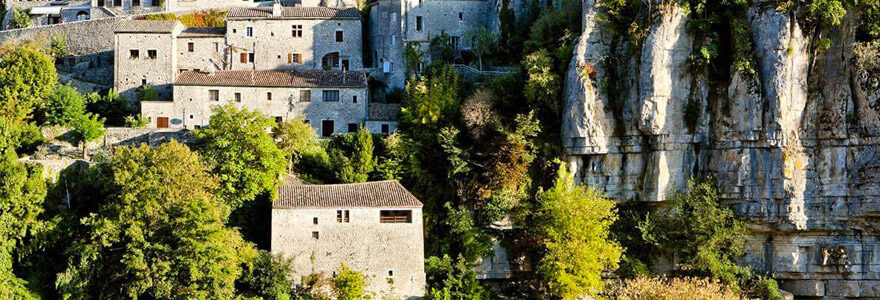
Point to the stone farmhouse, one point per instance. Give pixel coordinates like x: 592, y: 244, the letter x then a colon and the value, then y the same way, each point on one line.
x: 286, y: 62
x: 373, y: 227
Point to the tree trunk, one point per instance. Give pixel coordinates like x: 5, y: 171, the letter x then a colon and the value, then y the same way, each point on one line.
x: 85, y: 151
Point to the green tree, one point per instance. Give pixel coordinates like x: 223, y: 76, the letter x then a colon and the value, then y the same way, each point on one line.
x: 483, y: 42
x: 574, y: 222
x: 543, y: 85
x: 147, y: 93
x: 432, y: 99
x: 26, y: 76
x: 160, y: 235
x: 266, y: 277
x: 349, y: 284
x: 237, y: 145
x: 58, y: 44
x: 22, y: 192
x: 20, y: 19
x: 352, y: 156
x: 297, y: 138
x: 87, y: 128
x: 111, y: 106
x: 452, y: 280
x: 64, y: 105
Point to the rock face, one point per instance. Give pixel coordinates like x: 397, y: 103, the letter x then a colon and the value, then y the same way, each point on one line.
x: 794, y: 147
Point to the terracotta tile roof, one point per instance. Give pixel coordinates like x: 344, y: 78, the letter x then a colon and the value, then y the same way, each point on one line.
x: 389, y: 193
x: 384, y: 111
x: 147, y: 26
x: 204, y: 32
x: 296, y: 12
x: 302, y: 78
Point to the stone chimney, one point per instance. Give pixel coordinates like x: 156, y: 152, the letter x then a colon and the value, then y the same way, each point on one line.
x: 276, y: 8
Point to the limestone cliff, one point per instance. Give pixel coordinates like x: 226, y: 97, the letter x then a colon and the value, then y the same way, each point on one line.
x: 794, y: 146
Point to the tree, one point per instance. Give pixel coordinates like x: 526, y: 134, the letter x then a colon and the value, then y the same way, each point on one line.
x: 58, y: 44
x: 266, y: 278
x: 349, y: 284
x: 296, y: 138
x: 160, y: 235
x: 147, y: 93
x: 433, y: 99
x: 111, y: 106
x: 86, y: 128
x: 20, y: 19
x: 26, y: 76
x: 542, y: 85
x: 452, y: 280
x: 22, y: 191
x: 64, y: 105
x: 241, y: 152
x: 352, y: 156
x: 574, y: 223
x: 483, y: 42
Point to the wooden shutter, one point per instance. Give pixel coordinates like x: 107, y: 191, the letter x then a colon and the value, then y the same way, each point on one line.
x: 290, y: 58
x: 244, y: 58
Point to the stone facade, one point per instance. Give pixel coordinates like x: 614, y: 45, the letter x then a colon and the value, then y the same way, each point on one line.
x: 272, y: 42
x: 146, y: 54
x: 349, y: 227
x: 794, y: 151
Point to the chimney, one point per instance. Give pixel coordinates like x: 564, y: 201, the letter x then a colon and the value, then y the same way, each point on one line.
x: 276, y: 8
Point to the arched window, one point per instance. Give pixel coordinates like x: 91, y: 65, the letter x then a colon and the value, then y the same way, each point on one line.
x: 82, y: 16
x: 331, y: 60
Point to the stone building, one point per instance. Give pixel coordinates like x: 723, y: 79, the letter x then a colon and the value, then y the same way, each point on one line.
x: 373, y: 227
x: 331, y: 101
x: 277, y: 37
x: 146, y: 54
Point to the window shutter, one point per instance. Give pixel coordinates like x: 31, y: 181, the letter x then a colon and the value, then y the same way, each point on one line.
x: 290, y: 58
x: 244, y: 58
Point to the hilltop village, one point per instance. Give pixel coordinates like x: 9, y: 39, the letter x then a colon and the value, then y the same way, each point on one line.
x: 439, y: 149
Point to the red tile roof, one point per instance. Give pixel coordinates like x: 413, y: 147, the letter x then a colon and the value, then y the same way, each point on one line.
x: 389, y: 193
x: 296, y: 12
x: 303, y: 78
x: 384, y: 111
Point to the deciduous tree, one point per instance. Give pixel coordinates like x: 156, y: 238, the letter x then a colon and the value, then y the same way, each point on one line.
x: 26, y: 76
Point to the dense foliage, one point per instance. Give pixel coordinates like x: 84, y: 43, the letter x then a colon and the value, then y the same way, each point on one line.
x: 27, y: 74
x: 22, y: 191
x: 205, y: 18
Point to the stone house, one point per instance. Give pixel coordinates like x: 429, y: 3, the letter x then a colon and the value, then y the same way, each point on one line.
x: 146, y: 54
x: 265, y: 38
x: 373, y: 227
x: 331, y: 101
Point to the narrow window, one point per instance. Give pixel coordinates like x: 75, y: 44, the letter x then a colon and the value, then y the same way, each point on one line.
x: 214, y: 95
x: 339, y: 36
x: 327, y: 128
x: 279, y: 120
x: 315, y: 235
x: 216, y: 47
x: 251, y: 57
x: 297, y: 31
x: 294, y: 58
x: 395, y: 216
x: 144, y: 82
x: 191, y: 46
x: 237, y: 97
x: 152, y: 54
x: 250, y: 31
x: 269, y: 96
x: 134, y: 54
x: 354, y: 99
x: 315, y: 220
x: 419, y: 23
x: 339, y: 216
x: 347, y: 220
x: 393, y: 39
x: 352, y: 127
x: 386, y: 129
x: 390, y: 273
x: 460, y: 16
x: 331, y: 96
x: 305, y: 96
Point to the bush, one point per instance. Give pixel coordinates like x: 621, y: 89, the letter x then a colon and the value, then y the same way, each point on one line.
x: 20, y: 19
x: 111, y: 106
x: 349, y: 284
x: 266, y: 277
x: 64, y: 105
x: 136, y: 121
x: 448, y: 279
x: 644, y: 288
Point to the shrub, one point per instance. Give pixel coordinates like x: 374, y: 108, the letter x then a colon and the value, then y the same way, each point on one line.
x: 20, y: 19
x: 136, y: 121
x: 147, y: 93
x: 349, y: 284
x: 644, y: 288
x: 64, y: 105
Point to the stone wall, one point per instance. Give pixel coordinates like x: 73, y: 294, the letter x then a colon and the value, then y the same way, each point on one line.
x: 130, y: 72
x: 272, y: 42
x: 86, y: 37
x: 191, y: 106
x: 209, y: 53
x: 794, y: 151
x: 363, y: 244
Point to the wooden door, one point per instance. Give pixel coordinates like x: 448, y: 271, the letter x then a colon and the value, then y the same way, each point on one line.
x: 162, y: 122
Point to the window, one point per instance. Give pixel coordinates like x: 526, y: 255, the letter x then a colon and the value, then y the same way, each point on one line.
x: 391, y: 273
x: 269, y: 96
x: 251, y: 57
x: 331, y: 96
x: 395, y: 216
x: 134, y: 54
x: 339, y: 36
x: 294, y: 58
x: 460, y: 16
x: 394, y: 17
x: 315, y: 235
x: 354, y: 99
x: 386, y: 129
x: 315, y: 220
x: 144, y: 82
x: 327, y: 128
x: 152, y: 54
x: 279, y: 119
x: 305, y: 96
x: 393, y: 39
x: 352, y: 127
x: 297, y: 31
x: 135, y: 2
x: 216, y: 47
x: 214, y: 95
x: 342, y: 216
x: 455, y: 41
x: 237, y: 97
x: 419, y: 23
x: 191, y: 47
x: 387, y: 67
x: 250, y: 31
x: 246, y: 57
